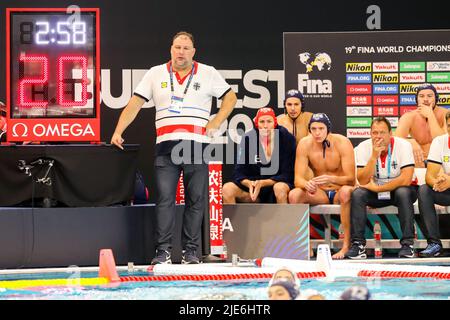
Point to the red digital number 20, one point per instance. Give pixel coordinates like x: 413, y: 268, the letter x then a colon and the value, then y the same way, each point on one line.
x: 23, y: 101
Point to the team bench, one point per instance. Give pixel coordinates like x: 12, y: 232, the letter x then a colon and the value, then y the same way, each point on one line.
x: 334, y: 209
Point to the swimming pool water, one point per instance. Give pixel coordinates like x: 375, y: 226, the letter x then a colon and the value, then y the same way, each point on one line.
x: 381, y: 289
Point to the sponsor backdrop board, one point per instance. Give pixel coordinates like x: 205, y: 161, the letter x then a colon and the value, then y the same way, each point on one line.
x: 244, y: 44
x: 355, y: 76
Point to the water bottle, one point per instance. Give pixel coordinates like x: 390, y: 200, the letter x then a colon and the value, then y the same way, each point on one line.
x: 234, y: 260
x: 224, y: 255
x: 378, y: 250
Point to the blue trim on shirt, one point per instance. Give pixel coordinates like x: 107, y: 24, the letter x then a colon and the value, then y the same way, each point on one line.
x: 196, y: 108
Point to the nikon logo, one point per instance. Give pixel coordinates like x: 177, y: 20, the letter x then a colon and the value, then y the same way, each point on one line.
x: 385, y: 78
x: 358, y: 67
x: 408, y: 88
x: 444, y: 99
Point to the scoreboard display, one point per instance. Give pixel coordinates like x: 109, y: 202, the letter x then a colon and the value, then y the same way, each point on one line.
x: 53, y: 74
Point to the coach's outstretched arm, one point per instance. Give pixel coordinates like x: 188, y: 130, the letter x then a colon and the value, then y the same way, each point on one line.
x: 126, y: 118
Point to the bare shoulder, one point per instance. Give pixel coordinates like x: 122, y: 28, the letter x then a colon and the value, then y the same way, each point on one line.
x: 307, y: 115
x: 305, y: 142
x: 405, y: 124
x: 406, y: 120
x: 442, y: 112
x: 341, y: 138
x: 408, y: 117
x: 343, y: 143
x: 282, y: 119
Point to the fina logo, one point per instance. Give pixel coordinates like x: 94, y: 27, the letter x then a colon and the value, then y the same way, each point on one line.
x: 315, y: 88
x: 322, y: 61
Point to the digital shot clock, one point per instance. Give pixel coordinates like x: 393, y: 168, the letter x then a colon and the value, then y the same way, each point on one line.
x: 53, y: 67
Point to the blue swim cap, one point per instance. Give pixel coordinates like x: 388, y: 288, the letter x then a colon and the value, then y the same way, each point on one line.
x: 356, y: 293
x: 320, y: 117
x: 426, y: 86
x: 295, y: 94
x: 290, y: 287
x: 292, y: 272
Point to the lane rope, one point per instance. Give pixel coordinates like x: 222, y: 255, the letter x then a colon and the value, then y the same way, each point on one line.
x: 217, y: 277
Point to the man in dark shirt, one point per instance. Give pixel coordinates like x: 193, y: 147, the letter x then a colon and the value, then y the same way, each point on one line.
x: 264, y: 171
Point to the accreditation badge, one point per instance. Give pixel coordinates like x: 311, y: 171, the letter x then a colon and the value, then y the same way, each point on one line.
x: 384, y: 195
x: 176, y: 104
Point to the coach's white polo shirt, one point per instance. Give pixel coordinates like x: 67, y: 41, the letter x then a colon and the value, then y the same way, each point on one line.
x: 190, y: 123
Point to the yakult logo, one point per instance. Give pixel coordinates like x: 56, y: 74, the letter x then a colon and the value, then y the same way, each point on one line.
x: 385, y: 66
x: 358, y: 133
x: 412, y: 77
x: 442, y: 87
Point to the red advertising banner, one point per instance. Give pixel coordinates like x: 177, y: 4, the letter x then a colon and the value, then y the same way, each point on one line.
x: 389, y: 100
x: 179, y: 199
x: 385, y: 111
x: 359, y: 100
x: 215, y: 206
x: 359, y: 89
x: 53, y: 129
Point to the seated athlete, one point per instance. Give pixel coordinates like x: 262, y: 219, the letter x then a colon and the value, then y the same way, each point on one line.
x: 295, y: 119
x: 264, y: 169
x: 436, y: 190
x: 424, y: 123
x: 332, y: 161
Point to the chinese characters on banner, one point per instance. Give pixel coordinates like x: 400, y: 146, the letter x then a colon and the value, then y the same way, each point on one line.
x: 215, y: 208
x: 215, y: 205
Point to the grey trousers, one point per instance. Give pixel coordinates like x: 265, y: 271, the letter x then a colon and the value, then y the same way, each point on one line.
x: 403, y: 198
x: 427, y: 198
x: 195, y: 178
